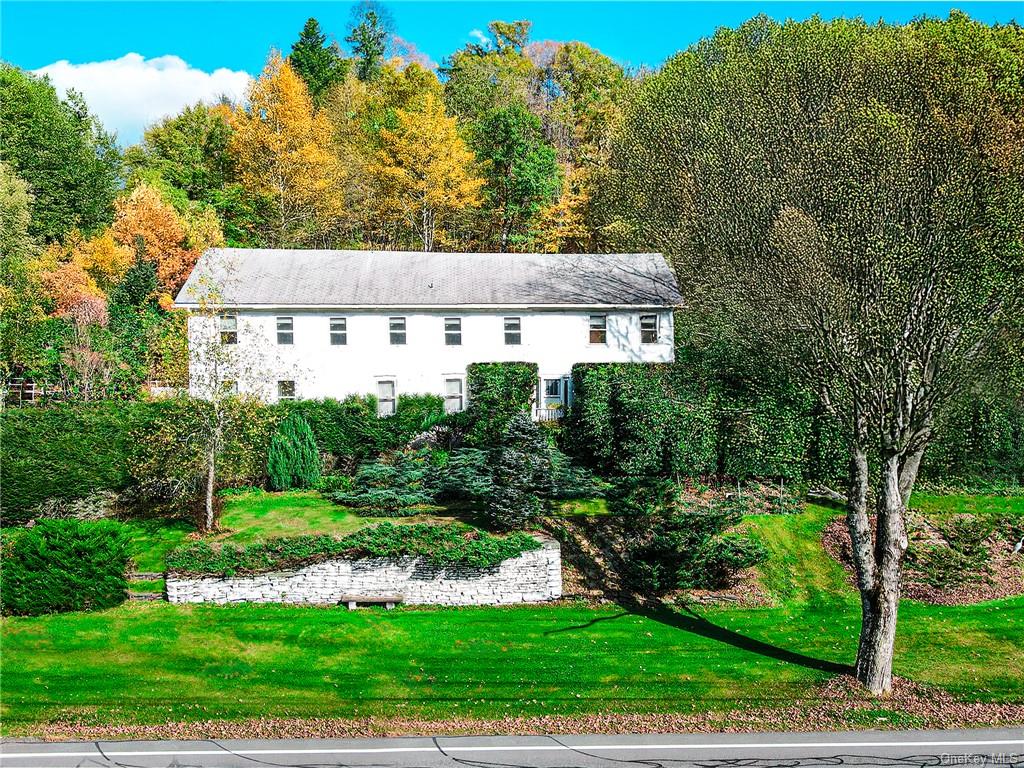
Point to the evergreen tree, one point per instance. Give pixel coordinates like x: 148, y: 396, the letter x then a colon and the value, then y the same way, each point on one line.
x: 293, y: 460
x: 318, y: 64
x: 369, y: 37
x: 521, y: 467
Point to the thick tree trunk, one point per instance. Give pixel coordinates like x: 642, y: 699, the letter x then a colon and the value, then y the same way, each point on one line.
x: 881, y: 594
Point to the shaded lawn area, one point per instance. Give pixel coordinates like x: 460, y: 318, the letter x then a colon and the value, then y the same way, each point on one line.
x: 151, y: 662
x: 944, y: 507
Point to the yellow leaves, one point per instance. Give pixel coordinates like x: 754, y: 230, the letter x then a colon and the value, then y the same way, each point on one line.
x: 105, y: 259
x: 283, y: 152
x: 63, y: 277
x: 424, y: 171
x: 563, y: 224
x: 145, y: 221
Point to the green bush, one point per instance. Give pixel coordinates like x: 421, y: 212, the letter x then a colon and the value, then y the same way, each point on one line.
x: 348, y: 429
x: 521, y: 472
x: 437, y: 544
x: 686, y: 545
x: 464, y: 476
x: 64, y: 565
x: 496, y: 392
x: 292, y: 459
x: 66, y: 452
x: 392, y: 487
x: 414, y: 414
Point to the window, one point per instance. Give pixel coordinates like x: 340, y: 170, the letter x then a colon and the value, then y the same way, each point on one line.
x: 553, y: 389
x: 285, y: 331
x: 339, y: 331
x: 648, y: 329
x: 386, y: 397
x: 452, y: 395
x: 513, y: 330
x: 397, y: 326
x: 599, y: 329
x: 228, y: 329
x: 453, y: 331
x: 286, y: 390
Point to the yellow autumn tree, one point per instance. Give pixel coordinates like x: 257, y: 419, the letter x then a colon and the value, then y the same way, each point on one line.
x: 424, y: 172
x: 562, y: 226
x: 104, y: 258
x: 283, y: 153
x: 64, y: 280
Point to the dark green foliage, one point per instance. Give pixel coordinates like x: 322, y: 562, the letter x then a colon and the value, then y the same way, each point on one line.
x: 437, y: 544
x: 393, y: 487
x: 521, y: 170
x: 521, y: 472
x: 54, y: 144
x: 319, y: 65
x: 369, y: 33
x: 293, y: 460
x: 66, y: 452
x: 414, y: 415
x: 465, y: 476
x: 687, y: 545
x: 64, y: 565
x: 348, y: 429
x: 570, y: 481
x: 497, y: 391
x: 979, y: 437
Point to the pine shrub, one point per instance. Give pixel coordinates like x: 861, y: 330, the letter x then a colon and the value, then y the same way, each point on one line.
x: 293, y: 460
x: 64, y: 565
x: 521, y: 471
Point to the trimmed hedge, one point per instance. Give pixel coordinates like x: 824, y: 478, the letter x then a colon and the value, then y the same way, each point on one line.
x: 437, y: 544
x: 497, y: 391
x: 66, y: 452
x: 64, y: 565
x: 293, y: 460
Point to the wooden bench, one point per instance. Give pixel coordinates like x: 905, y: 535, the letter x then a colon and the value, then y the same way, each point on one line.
x: 388, y: 601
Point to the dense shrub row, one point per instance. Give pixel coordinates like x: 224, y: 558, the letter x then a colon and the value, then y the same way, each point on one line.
x: 437, y: 544
x: 71, y: 451
x: 63, y: 565
x: 661, y: 420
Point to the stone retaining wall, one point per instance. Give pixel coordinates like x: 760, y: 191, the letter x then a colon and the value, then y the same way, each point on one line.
x: 532, y: 577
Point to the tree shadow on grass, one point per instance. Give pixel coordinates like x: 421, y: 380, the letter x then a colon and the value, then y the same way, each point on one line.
x: 690, y: 621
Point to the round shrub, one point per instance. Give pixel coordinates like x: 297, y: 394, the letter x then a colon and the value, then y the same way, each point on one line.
x: 64, y: 565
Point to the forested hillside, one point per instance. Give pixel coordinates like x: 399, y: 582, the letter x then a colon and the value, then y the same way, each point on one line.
x: 517, y: 145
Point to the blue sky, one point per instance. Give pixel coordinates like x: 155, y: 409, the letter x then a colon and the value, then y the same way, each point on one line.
x: 190, y: 49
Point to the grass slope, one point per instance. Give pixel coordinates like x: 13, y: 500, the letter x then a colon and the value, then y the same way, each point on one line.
x: 153, y: 662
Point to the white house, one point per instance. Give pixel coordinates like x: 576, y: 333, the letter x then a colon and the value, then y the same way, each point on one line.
x: 285, y: 324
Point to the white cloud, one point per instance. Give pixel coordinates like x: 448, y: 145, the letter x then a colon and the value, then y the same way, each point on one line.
x: 480, y: 37
x: 130, y: 93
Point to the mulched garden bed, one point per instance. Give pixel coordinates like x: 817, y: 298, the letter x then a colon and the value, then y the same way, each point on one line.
x: 839, y: 704
x: 1003, y: 576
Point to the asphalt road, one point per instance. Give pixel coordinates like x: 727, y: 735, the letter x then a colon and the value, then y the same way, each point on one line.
x: 1004, y: 747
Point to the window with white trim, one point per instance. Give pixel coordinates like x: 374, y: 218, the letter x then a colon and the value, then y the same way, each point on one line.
x: 229, y: 329
x: 286, y: 390
x: 599, y: 329
x: 285, y: 330
x: 513, y: 331
x: 648, y: 329
x: 553, y: 389
x: 453, y: 331
x: 339, y: 331
x: 453, y: 402
x: 396, y: 327
x: 386, y: 397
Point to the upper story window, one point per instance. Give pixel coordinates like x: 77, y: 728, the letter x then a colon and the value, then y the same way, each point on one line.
x: 286, y: 390
x: 386, y: 399
x: 285, y: 330
x: 228, y: 329
x: 339, y: 331
x: 648, y: 329
x: 452, y: 395
x: 599, y: 329
x: 513, y: 330
x: 453, y: 331
x: 397, y: 328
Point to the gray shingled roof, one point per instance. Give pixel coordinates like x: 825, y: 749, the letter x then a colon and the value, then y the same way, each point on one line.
x: 309, y: 278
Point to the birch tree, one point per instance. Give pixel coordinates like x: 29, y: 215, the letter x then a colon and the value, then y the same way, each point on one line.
x: 848, y: 200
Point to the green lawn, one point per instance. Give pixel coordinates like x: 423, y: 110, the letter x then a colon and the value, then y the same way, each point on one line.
x: 149, y: 662
x: 250, y: 517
